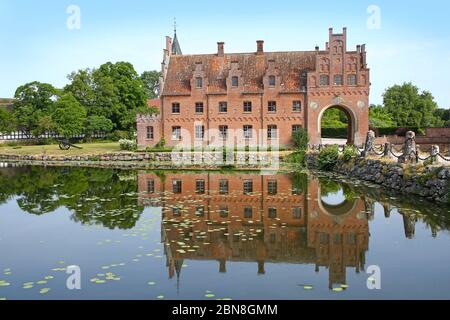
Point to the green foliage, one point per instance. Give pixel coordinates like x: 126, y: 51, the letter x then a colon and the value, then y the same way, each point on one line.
x: 328, y: 186
x: 33, y: 106
x: 7, y: 121
x: 300, y: 139
x: 350, y: 152
x: 161, y: 144
x: 409, y: 107
x: 336, y: 133
x: 297, y: 157
x: 118, y: 135
x: 128, y: 145
x: 444, y: 115
x: 328, y: 157
x: 69, y: 116
x: 113, y: 91
x: 98, y: 124
x: 151, y: 82
x: 380, y: 117
x: 334, y: 118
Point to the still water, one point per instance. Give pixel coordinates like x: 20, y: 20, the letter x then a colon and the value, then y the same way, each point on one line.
x: 172, y: 235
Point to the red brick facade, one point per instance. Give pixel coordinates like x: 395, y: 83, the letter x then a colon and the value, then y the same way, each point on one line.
x: 268, y: 93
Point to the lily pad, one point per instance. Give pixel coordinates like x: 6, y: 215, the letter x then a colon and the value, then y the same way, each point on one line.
x: 338, y: 289
x: 44, y: 290
x: 210, y: 295
x: 160, y: 297
x: 308, y: 287
x: 151, y: 283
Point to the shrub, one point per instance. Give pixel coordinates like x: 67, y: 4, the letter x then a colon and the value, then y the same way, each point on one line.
x: 118, y: 135
x: 300, y: 139
x: 350, y: 152
x: 161, y: 144
x: 328, y: 158
x: 128, y: 145
x: 297, y: 157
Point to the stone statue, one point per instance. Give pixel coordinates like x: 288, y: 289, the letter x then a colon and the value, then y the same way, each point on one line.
x: 370, y: 140
x: 409, y: 149
x: 435, y: 150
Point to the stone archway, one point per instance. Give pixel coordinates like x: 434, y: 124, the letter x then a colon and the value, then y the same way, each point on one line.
x: 352, y: 121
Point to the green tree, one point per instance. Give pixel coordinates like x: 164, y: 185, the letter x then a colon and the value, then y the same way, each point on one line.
x: 380, y: 117
x: 83, y: 88
x: 444, y: 115
x: 334, y: 118
x: 120, y: 94
x: 69, y: 116
x: 151, y: 82
x: 34, y: 101
x: 411, y: 108
x: 7, y: 121
x: 97, y: 124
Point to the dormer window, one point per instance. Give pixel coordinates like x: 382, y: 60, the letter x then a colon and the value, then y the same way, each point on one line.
x: 234, y: 81
x: 338, y: 80
x: 199, y: 82
x: 271, y: 81
x: 324, y: 80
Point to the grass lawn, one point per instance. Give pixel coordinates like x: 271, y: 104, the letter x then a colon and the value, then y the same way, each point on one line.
x: 88, y: 149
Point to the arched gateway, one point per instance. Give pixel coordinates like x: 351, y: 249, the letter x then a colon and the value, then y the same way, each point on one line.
x: 259, y: 96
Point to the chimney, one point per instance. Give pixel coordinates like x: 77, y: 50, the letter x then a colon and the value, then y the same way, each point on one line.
x: 169, y: 44
x: 220, y: 49
x: 358, y: 48
x: 260, y: 47
x: 330, y: 32
x: 344, y: 32
x: 317, y: 48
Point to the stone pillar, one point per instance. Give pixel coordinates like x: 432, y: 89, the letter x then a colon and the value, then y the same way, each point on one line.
x: 434, y: 154
x: 409, y: 149
x: 368, y: 147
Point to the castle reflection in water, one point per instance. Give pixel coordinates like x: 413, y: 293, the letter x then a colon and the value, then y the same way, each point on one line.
x: 262, y: 219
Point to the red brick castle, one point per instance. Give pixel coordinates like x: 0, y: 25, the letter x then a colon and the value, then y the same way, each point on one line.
x: 210, y: 98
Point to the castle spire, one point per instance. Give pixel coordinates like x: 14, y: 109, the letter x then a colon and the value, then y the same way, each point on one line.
x: 176, y: 49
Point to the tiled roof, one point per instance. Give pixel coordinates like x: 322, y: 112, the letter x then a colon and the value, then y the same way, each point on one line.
x: 253, y: 66
x: 154, y: 103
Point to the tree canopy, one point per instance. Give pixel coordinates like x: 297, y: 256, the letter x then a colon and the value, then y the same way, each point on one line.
x: 151, y: 83
x: 69, y: 116
x: 412, y: 108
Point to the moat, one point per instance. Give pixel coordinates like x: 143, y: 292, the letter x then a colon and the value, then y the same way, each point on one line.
x: 215, y: 235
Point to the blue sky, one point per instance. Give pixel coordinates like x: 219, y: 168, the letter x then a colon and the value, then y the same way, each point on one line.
x: 412, y: 44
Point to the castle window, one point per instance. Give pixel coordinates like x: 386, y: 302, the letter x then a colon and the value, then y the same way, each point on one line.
x: 271, y: 81
x: 324, y: 80
x: 199, y: 107
x: 223, y: 212
x: 272, y: 213
x: 223, y: 107
x: 176, y: 212
x: 200, y: 186
x: 199, y: 132
x: 248, y: 132
x: 272, y: 187
x: 198, y: 82
x: 234, y: 81
x: 296, y: 128
x: 297, y: 213
x: 272, y: 132
x: 247, y: 106
x: 150, y: 186
x: 200, y: 211
x: 223, y: 186
x: 223, y: 130
x: 296, y: 106
x: 150, y: 133
x: 351, y: 80
x: 338, y: 80
x: 176, y: 108
x: 272, y: 106
x: 248, y: 212
x: 176, y: 186
x: 176, y: 133
x: 248, y: 186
